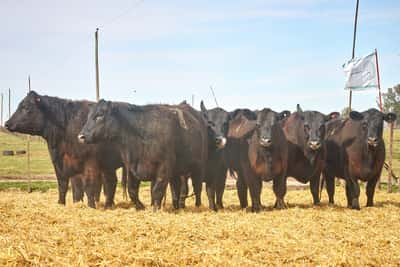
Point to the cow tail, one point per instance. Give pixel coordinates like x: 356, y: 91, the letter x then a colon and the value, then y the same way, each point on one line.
x: 124, y: 183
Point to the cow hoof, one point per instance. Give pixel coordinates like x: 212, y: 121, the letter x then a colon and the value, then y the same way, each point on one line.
x: 355, y: 205
x: 139, y: 206
x: 280, y: 205
x: 220, y: 206
x: 108, y: 206
x: 61, y: 202
x: 255, y: 209
x: 370, y: 204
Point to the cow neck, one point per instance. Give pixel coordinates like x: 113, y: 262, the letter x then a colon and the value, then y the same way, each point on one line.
x: 58, y: 113
x: 133, y: 119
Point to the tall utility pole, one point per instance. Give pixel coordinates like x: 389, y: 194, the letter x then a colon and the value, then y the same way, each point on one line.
x: 1, y: 109
x: 9, y: 103
x: 96, y: 35
x: 28, y: 148
x: 354, y: 47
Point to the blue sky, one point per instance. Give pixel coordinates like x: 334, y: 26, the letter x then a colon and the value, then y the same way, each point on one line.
x: 254, y: 53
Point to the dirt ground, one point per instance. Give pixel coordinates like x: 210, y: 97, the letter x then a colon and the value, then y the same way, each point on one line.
x: 35, y: 230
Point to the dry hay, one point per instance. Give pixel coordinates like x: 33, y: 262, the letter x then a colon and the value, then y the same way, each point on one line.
x: 35, y: 230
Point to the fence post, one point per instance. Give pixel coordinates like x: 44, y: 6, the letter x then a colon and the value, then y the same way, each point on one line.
x: 390, y: 170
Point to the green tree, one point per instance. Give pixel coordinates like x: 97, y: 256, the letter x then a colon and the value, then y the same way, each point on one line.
x: 391, y: 100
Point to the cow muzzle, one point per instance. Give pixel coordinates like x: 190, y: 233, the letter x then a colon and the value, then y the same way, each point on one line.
x: 265, y: 142
x: 314, y: 145
x: 82, y: 138
x: 220, y: 142
x: 373, y: 141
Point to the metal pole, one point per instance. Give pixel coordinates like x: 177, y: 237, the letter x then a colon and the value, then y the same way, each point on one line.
x: 354, y: 47
x: 192, y: 100
x: 215, y: 99
x: 28, y: 148
x: 97, y: 64
x: 379, y: 80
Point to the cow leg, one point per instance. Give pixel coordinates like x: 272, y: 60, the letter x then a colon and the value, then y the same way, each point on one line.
x: 158, y: 192
x: 97, y: 189
x: 220, y: 188
x: 77, y: 188
x: 348, y: 193
x: 353, y: 193
x: 210, y: 188
x: 371, y: 191
x: 330, y: 187
x: 255, y: 190
x: 314, y: 187
x: 133, y: 191
x: 62, y: 189
x: 110, y: 185
x: 197, y: 187
x: 279, y: 187
x: 89, y: 186
x: 184, y: 191
x: 175, y: 185
x: 152, y: 183
x: 242, y: 191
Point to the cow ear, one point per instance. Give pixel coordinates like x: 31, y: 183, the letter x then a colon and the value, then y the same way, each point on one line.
x: 298, y: 109
x: 283, y: 115
x: 202, y: 107
x: 357, y: 116
x: 390, y: 117
x: 332, y: 116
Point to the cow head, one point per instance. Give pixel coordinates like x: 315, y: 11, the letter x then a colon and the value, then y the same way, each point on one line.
x: 372, y: 124
x: 217, y: 120
x: 314, y: 127
x: 267, y: 123
x: 29, y: 117
x: 101, y: 124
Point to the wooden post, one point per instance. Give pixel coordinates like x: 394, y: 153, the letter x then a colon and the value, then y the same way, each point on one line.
x: 389, y: 188
x: 28, y: 149
x: 9, y: 103
x: 1, y: 109
x: 96, y: 35
x: 354, y: 48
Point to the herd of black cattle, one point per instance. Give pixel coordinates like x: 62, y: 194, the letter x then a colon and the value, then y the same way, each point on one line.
x: 164, y: 144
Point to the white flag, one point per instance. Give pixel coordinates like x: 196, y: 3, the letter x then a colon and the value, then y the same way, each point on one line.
x: 361, y: 73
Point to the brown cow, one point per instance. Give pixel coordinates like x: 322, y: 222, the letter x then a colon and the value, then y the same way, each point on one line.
x: 263, y: 153
x: 356, y: 151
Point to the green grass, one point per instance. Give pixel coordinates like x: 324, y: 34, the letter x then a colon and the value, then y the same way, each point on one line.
x: 17, y: 166
x: 41, y: 186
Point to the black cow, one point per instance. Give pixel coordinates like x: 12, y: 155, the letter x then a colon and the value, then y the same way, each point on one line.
x: 156, y: 142
x: 263, y: 153
x: 216, y: 167
x: 305, y: 132
x: 225, y: 157
x: 59, y: 121
x: 356, y: 151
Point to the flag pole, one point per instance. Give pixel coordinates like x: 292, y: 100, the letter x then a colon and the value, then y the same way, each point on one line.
x: 379, y: 80
x: 354, y: 47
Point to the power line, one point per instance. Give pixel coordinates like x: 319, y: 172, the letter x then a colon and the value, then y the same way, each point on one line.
x: 122, y: 14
